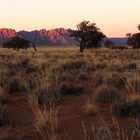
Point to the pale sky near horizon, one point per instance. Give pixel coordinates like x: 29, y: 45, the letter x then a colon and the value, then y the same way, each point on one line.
x: 114, y: 17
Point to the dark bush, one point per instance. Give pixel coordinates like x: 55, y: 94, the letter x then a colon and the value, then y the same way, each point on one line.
x: 99, y: 81
x: 131, y: 66
x: 127, y: 109
x: 15, y: 84
x: 116, y: 81
x: 74, y: 65
x: 100, y: 66
x: 71, y: 89
x: 106, y: 94
x: 45, y: 97
x: 3, y: 120
x: 31, y: 69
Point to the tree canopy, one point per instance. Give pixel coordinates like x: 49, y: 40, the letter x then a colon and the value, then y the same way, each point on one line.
x: 88, y: 35
x: 134, y: 39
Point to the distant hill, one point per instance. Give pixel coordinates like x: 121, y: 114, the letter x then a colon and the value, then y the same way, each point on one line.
x: 121, y: 41
x: 59, y: 36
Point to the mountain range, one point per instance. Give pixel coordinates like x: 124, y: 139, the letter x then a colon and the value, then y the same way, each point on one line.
x: 58, y: 36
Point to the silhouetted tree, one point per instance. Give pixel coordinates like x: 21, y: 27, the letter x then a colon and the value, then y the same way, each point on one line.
x: 109, y: 43
x: 88, y: 35
x: 139, y: 27
x: 134, y: 40
x: 129, y: 41
x: 18, y: 43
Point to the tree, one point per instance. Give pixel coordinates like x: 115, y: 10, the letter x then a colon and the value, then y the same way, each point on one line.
x: 88, y: 35
x: 108, y: 43
x: 129, y: 35
x: 139, y: 27
x: 129, y: 41
x: 18, y: 43
x: 134, y: 40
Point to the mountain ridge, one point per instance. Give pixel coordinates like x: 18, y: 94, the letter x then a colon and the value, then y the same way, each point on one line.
x: 58, y: 36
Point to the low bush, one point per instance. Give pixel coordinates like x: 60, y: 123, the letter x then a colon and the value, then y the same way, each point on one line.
x: 71, y: 89
x: 131, y: 66
x: 127, y: 108
x: 106, y: 94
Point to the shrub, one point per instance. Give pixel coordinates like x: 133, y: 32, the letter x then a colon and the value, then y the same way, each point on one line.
x: 100, y: 66
x: 99, y: 80
x: 106, y: 94
x: 71, y: 89
x: 135, y: 84
x: 127, y: 108
x: 3, y: 120
x: 131, y: 66
x: 44, y: 97
x: 116, y: 80
x: 137, y: 126
x: 45, y: 120
x: 77, y: 64
x: 15, y: 84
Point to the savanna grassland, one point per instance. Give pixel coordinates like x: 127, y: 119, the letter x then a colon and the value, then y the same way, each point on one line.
x: 61, y: 94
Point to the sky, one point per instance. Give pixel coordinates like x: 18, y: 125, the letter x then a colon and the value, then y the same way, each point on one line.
x: 115, y: 18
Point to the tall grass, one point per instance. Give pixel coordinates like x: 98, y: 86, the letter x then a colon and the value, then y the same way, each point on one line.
x: 105, y: 132
x: 43, y: 102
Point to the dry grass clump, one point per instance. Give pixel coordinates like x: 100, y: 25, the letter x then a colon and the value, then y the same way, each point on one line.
x: 137, y: 126
x: 74, y: 65
x: 111, y: 79
x: 115, y: 80
x: 100, y: 66
x: 45, y: 120
x: 15, y: 84
x: 71, y: 89
x: 105, y: 131
x: 115, y: 68
x: 91, y: 107
x: 43, y: 102
x: 127, y: 108
x: 106, y: 94
x: 135, y: 85
x: 11, y: 82
x: 131, y: 66
x: 43, y: 96
x: 99, y: 79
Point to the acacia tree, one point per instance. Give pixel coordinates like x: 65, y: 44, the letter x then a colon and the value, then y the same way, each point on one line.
x: 134, y: 40
x: 88, y: 35
x: 139, y: 27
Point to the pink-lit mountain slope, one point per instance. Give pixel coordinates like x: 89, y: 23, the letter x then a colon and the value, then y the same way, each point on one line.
x: 56, y: 36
